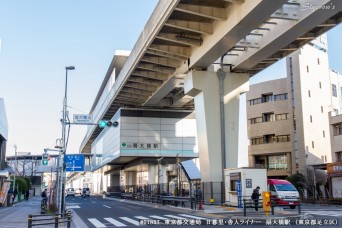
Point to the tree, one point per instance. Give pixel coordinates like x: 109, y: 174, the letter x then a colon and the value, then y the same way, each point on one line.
x: 28, y: 182
x: 22, y: 185
x: 299, y: 181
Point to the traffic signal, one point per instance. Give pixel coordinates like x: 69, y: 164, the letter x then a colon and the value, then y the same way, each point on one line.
x: 108, y: 123
x: 45, y: 159
x: 266, y: 202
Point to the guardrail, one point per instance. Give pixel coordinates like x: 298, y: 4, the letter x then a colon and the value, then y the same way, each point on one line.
x: 34, y: 220
x: 252, y: 203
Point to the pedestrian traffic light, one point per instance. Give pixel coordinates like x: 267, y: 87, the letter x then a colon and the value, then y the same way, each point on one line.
x: 108, y: 123
x: 45, y: 158
x: 266, y: 202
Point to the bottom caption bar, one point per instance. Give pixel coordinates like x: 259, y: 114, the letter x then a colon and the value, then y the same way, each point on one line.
x: 237, y: 222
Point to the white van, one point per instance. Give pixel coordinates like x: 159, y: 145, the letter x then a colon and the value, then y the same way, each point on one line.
x: 283, y: 192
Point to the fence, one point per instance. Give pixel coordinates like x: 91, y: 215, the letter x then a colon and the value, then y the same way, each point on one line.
x: 53, y: 219
x: 210, y: 192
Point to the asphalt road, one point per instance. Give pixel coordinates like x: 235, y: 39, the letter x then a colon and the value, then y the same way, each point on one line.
x: 98, y: 212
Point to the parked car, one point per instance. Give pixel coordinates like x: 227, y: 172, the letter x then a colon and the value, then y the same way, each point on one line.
x: 78, y: 191
x: 70, y: 192
x: 87, y: 191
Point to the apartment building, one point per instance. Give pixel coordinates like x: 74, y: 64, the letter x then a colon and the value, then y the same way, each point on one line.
x: 288, y: 118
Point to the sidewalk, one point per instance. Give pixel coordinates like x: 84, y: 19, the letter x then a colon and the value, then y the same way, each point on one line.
x: 219, y: 211
x: 16, y: 216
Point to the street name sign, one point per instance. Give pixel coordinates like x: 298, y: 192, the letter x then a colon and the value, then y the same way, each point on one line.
x: 74, y: 162
x: 83, y: 118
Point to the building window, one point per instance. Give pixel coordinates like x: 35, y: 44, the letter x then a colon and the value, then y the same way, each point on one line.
x: 309, y: 93
x: 334, y: 91
x: 279, y: 97
x: 323, y: 134
x: 338, y: 130
x: 320, y: 85
x: 321, y: 109
x: 339, y: 156
x: 283, y: 116
x: 310, y: 118
x: 277, y: 162
x: 283, y: 138
x: 266, y: 98
x: 270, y: 138
x: 256, y: 120
x: 268, y: 117
x: 336, y: 111
x: 313, y: 144
x: 255, y: 101
x: 318, y: 61
x: 307, y: 69
x: 257, y: 141
x: 325, y: 157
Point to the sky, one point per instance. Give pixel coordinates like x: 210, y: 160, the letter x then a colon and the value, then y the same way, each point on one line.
x: 40, y: 38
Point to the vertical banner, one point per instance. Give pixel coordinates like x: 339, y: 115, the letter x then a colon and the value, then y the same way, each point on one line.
x: 4, y: 190
x: 239, y: 194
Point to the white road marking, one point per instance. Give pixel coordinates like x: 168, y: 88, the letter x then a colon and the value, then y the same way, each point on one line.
x: 130, y: 221
x: 96, y: 223
x: 191, y: 216
x: 93, y: 202
x: 175, y: 217
x: 141, y: 217
x: 73, y: 207
x: 114, y: 222
x: 158, y: 217
x: 106, y: 206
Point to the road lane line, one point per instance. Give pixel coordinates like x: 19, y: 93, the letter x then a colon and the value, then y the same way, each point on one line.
x: 106, y: 206
x: 114, y: 222
x: 141, y: 217
x: 175, y: 217
x: 96, y: 223
x: 130, y: 221
x: 93, y: 202
x: 191, y: 216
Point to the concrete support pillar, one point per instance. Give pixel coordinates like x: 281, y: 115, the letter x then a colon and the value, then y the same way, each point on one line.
x: 152, y: 174
x: 131, y: 178
x: 204, y: 87
x: 114, y: 180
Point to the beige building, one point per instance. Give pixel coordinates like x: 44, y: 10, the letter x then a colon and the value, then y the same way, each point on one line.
x: 288, y: 118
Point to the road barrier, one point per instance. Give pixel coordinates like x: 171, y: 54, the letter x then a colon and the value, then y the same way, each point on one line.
x: 56, y: 219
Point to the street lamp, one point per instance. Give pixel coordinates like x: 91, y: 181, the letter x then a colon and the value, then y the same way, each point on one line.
x: 63, y: 173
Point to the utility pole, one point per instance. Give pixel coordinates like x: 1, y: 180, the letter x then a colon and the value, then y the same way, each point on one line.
x: 15, y: 165
x: 64, y: 122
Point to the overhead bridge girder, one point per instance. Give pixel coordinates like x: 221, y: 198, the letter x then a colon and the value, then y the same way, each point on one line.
x: 209, y: 12
x: 191, y: 26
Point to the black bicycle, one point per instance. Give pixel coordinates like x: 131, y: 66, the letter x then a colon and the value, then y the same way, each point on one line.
x: 43, y: 206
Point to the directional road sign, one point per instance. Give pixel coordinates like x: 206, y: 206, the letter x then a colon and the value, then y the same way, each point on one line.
x: 83, y: 118
x: 74, y: 162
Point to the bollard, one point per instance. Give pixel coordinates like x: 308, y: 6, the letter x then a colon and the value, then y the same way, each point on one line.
x: 244, y: 207
x: 200, y: 207
x: 56, y: 221
x: 29, y: 220
x: 69, y: 219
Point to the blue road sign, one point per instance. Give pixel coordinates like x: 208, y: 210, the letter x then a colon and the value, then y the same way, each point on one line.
x: 74, y: 162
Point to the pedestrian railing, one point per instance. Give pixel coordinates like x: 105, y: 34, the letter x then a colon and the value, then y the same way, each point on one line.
x: 257, y: 203
x: 53, y: 219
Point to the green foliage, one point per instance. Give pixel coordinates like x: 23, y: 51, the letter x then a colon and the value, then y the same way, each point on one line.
x: 52, y: 208
x: 22, y: 185
x: 28, y: 182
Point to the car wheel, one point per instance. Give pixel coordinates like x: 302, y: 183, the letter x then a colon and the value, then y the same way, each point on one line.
x: 292, y: 206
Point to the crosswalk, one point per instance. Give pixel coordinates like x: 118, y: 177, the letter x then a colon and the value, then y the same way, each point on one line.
x: 334, y: 213
x: 126, y: 221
